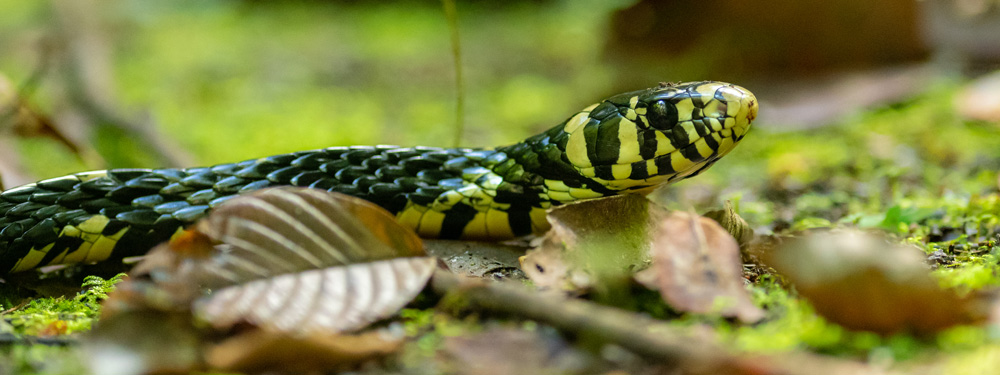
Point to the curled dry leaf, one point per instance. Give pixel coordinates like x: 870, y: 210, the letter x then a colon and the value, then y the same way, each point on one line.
x: 287, y: 230
x: 862, y: 281
x: 305, y: 260
x: 295, y: 262
x: 697, y: 268
x: 592, y: 241
x: 142, y: 342
x: 336, y: 299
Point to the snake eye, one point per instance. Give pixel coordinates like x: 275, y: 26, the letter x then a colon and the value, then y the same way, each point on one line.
x: 661, y: 115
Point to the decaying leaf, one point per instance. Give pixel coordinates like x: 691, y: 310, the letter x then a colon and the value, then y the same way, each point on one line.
x: 261, y: 351
x: 140, y: 342
x: 308, y: 261
x: 862, y: 281
x: 287, y: 230
x: 336, y: 299
x: 697, y: 268
x: 301, y: 265
x: 547, y: 267
x: 601, y: 239
x: 980, y: 100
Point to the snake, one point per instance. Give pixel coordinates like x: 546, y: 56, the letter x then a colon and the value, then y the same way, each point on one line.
x: 628, y: 143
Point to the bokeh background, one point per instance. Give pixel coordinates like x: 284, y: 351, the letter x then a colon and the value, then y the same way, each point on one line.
x: 90, y: 84
x: 880, y: 115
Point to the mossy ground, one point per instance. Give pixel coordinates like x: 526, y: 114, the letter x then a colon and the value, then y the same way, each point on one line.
x: 253, y: 81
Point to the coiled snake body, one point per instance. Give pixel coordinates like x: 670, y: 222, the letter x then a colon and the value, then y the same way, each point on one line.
x: 630, y: 142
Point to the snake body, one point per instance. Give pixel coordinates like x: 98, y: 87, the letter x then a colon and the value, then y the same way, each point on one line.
x: 629, y: 142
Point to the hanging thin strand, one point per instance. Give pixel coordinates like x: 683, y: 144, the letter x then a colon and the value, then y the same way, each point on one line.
x: 451, y: 13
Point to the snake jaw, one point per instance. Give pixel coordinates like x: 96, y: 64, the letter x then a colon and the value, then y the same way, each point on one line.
x: 656, y: 136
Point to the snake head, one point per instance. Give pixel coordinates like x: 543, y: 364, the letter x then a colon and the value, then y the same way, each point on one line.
x: 650, y: 137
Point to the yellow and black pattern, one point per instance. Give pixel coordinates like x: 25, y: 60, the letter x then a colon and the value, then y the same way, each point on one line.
x: 630, y: 142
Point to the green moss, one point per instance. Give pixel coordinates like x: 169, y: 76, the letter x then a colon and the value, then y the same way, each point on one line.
x: 41, y: 360
x: 60, y: 315
x: 973, y: 274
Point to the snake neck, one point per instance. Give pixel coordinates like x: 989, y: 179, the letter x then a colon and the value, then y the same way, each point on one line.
x: 540, y: 163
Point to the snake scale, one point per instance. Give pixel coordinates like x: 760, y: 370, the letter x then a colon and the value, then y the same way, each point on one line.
x: 630, y: 142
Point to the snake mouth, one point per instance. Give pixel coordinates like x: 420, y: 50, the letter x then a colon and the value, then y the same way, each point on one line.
x: 660, y: 135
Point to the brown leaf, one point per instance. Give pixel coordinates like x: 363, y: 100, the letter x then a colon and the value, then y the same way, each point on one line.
x: 329, y: 300
x: 140, y: 342
x: 980, y: 100
x: 303, y: 265
x: 548, y: 268
x: 592, y: 242
x: 320, y: 261
x: 862, y: 281
x: 165, y: 279
x: 287, y: 230
x: 697, y: 268
x: 261, y: 351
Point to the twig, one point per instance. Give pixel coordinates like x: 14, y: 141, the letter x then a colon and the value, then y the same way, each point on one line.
x: 28, y: 87
x: 451, y: 13
x: 11, y: 339
x: 15, y: 308
x: 634, y: 332
x: 87, y: 67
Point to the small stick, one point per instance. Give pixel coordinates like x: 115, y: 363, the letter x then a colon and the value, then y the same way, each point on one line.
x: 639, y: 334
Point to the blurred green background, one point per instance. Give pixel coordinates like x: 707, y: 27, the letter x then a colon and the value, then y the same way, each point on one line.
x: 231, y: 80
x: 134, y: 83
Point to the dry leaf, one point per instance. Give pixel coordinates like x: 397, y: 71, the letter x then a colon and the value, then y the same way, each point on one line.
x: 278, y: 245
x: 272, y: 232
x: 165, y: 278
x: 980, y: 100
x: 697, y: 268
x: 300, y: 263
x: 547, y: 267
x: 142, y: 342
x: 863, y: 282
x: 592, y: 242
x: 330, y: 300
x: 260, y: 351
x: 286, y: 230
